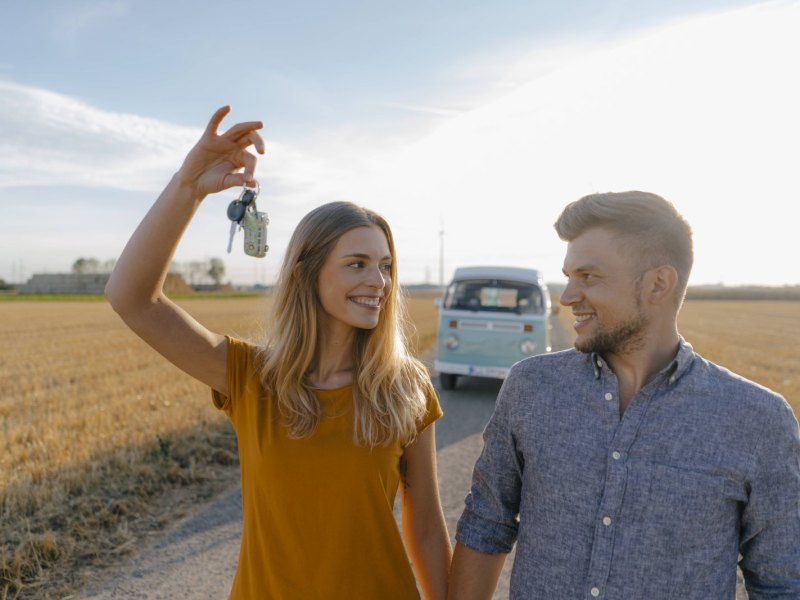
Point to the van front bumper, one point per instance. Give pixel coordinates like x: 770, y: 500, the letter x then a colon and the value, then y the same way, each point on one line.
x: 474, y: 370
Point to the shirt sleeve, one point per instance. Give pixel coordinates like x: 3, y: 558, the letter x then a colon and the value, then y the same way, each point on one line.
x: 240, y: 375
x: 433, y: 411
x: 490, y: 520
x: 770, y: 535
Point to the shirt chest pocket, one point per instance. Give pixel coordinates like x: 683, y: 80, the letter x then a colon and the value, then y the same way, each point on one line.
x: 676, y: 501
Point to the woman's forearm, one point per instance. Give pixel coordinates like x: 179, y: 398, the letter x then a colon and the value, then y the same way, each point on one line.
x: 429, y: 548
x: 139, y: 274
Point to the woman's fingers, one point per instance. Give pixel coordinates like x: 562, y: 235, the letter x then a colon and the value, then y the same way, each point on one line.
x: 253, y: 139
x: 216, y: 119
x: 242, y: 129
x: 249, y: 168
x: 242, y: 134
x: 236, y: 180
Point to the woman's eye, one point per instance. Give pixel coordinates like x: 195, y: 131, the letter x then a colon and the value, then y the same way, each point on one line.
x: 357, y: 265
x: 387, y: 267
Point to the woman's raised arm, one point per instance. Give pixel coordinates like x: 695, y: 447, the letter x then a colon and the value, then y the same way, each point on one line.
x: 135, y: 289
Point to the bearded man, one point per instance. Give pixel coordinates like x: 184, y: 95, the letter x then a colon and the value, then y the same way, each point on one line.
x: 631, y: 468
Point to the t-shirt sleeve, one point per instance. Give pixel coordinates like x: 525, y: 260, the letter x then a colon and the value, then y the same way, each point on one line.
x: 433, y: 411
x: 240, y: 375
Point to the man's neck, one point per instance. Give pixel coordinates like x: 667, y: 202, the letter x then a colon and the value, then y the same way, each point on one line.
x: 636, y: 369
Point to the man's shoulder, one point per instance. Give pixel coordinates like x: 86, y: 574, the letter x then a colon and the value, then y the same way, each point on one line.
x: 552, y: 359
x: 735, y: 389
x: 562, y: 364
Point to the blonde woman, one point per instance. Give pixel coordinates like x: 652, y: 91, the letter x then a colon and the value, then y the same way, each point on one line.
x: 330, y: 410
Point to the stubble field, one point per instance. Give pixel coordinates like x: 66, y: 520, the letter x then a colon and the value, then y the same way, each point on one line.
x: 103, y: 442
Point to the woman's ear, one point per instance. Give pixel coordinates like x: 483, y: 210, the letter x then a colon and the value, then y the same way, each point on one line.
x: 660, y: 284
x: 296, y: 269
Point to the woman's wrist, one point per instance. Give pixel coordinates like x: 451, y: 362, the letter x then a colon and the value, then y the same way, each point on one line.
x: 185, y: 188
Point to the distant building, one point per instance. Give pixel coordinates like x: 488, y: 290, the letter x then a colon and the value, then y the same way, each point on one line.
x: 213, y: 287
x: 88, y: 283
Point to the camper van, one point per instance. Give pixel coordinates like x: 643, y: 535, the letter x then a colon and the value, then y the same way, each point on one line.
x: 489, y: 319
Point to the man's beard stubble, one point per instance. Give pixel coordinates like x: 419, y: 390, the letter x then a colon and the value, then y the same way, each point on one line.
x: 624, y: 338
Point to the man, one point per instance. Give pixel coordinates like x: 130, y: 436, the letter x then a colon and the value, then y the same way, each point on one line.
x: 631, y: 468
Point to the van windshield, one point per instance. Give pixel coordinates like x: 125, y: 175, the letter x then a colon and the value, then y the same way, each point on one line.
x: 495, y: 295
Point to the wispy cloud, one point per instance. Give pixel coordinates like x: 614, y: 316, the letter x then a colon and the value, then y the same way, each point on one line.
x: 52, y: 139
x: 430, y: 110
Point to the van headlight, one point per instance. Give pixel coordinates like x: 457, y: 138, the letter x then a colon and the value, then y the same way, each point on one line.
x: 451, y: 342
x: 527, y: 346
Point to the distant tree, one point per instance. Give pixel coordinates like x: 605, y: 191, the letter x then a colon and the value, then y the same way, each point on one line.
x: 86, y: 265
x: 216, y: 270
x: 197, y: 270
x: 108, y: 265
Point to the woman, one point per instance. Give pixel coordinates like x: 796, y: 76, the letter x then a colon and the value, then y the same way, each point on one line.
x: 330, y: 411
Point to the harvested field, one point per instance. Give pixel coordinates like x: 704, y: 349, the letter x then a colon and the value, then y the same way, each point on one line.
x: 758, y: 340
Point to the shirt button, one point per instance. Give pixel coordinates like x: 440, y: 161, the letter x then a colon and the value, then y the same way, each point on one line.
x: 606, y: 521
x: 672, y: 379
x: 595, y: 592
x: 616, y: 455
x: 609, y: 396
x: 600, y: 363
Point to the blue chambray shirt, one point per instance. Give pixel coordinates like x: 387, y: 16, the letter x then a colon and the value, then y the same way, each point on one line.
x: 703, y: 465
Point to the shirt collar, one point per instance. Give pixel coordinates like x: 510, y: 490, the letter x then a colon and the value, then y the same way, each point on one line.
x: 674, y: 370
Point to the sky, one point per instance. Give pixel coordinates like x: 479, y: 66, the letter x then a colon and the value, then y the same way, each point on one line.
x: 468, y: 124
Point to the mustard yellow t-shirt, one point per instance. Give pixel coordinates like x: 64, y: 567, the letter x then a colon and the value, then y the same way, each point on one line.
x: 318, y: 521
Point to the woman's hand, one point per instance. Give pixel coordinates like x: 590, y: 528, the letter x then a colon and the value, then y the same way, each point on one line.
x: 218, y: 162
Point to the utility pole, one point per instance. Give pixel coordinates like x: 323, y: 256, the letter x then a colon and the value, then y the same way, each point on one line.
x: 441, y: 252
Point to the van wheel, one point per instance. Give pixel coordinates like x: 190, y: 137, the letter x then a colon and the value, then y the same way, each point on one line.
x: 448, y: 380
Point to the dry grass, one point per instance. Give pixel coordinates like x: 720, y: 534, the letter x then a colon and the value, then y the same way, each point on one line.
x: 103, y: 441
x: 97, y: 428
x: 758, y: 340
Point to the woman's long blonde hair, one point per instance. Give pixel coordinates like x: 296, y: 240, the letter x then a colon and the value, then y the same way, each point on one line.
x: 390, y: 386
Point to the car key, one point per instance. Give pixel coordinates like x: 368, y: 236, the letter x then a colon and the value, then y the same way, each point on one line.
x: 236, y: 210
x: 234, y: 227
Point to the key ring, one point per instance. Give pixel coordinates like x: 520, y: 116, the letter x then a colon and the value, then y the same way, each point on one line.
x: 249, y: 194
x: 246, y: 201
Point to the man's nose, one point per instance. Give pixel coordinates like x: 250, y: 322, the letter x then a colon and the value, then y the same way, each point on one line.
x: 569, y: 296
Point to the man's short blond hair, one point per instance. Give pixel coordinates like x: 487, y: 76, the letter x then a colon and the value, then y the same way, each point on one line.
x: 656, y: 232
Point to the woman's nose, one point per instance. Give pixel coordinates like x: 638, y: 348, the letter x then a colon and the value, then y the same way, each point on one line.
x: 377, y: 278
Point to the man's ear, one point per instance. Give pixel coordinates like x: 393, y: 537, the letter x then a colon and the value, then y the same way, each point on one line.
x: 660, y: 283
